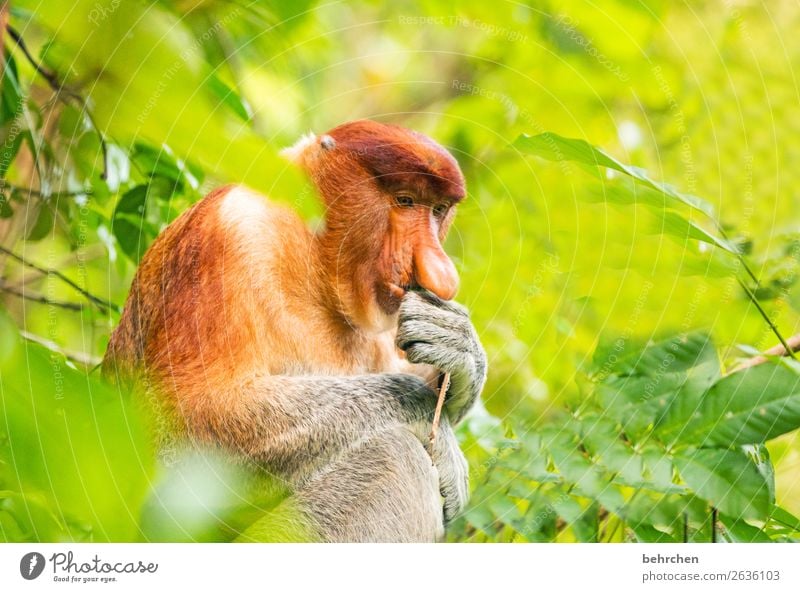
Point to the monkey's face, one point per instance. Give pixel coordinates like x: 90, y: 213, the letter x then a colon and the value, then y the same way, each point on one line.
x: 413, y: 186
x: 390, y: 195
x: 412, y: 254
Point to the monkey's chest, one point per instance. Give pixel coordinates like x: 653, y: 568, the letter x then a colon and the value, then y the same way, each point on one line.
x: 296, y: 351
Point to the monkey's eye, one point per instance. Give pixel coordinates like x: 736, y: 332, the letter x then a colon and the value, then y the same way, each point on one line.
x: 404, y: 200
x: 439, y: 210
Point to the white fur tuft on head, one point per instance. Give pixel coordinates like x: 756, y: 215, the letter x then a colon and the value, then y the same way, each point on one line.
x: 298, y: 151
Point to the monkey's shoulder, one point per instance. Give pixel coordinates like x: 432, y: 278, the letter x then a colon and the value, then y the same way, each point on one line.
x: 242, y: 211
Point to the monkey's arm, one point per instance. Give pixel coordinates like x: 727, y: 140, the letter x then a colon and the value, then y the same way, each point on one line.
x: 439, y: 333
x: 291, y: 424
x: 294, y: 426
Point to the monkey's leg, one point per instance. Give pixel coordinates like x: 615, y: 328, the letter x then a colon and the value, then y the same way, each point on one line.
x: 384, y: 489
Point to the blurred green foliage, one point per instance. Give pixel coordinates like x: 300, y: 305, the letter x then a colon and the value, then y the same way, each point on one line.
x: 162, y: 101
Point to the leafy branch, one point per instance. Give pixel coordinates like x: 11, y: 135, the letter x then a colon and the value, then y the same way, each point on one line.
x: 557, y: 148
x: 63, y: 93
x: 100, y: 303
x: 668, y: 446
x: 74, y: 306
x: 6, y: 186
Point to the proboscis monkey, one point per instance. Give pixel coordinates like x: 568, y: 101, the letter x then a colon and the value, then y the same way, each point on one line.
x: 317, y: 355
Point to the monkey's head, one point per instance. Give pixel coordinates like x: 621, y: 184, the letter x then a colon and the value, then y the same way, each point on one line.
x: 390, y: 195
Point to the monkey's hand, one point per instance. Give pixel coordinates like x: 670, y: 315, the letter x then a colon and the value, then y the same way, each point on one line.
x: 439, y: 333
x: 452, y: 468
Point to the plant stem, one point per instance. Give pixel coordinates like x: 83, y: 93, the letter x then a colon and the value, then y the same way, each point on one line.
x: 40, y: 298
x: 61, y: 90
x: 437, y: 414
x: 765, y: 316
x: 103, y: 305
x: 713, y: 525
x: 751, y: 295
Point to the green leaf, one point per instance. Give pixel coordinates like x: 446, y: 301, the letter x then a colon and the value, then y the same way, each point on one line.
x: 739, y: 531
x: 11, y: 94
x: 746, y: 407
x: 9, y: 151
x: 6, y: 211
x: 783, y: 522
x: 588, y: 478
x: 161, y: 162
x: 74, y: 445
x: 657, y: 470
x: 481, y: 518
x: 130, y: 226
x: 649, y: 534
x: 538, y: 523
x: 582, y: 520
x: 557, y: 148
x: 675, y: 354
x: 230, y: 98
x: 133, y: 201
x: 601, y: 437
x: 130, y: 235
x: 673, y: 224
x: 9, y: 336
x: 530, y: 462
x: 202, y: 497
x: 664, y: 512
x: 43, y: 224
x: 639, y: 386
x: 759, y: 455
x: 727, y: 480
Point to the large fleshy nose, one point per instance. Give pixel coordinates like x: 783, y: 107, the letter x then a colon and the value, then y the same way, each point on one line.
x: 433, y: 269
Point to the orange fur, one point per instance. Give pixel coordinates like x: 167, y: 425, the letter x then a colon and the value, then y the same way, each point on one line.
x: 238, y: 286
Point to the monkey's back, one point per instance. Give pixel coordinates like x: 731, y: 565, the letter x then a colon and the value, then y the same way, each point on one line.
x: 204, y: 296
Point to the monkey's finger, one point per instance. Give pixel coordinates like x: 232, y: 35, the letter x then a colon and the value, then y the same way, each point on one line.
x: 411, y: 310
x: 411, y: 332
x: 449, y: 360
x: 455, y: 492
x: 433, y: 300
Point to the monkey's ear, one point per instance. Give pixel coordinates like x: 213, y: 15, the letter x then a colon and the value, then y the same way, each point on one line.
x: 300, y: 151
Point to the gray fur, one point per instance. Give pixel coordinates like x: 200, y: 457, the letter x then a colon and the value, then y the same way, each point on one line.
x: 353, y: 447
x: 439, y: 333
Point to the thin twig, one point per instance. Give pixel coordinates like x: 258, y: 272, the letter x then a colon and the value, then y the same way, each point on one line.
x: 104, y: 305
x: 10, y: 187
x: 49, y: 76
x: 685, y: 527
x: 40, y: 298
x: 779, y: 350
x: 437, y: 414
x: 79, y: 358
x: 752, y: 297
x: 713, y: 525
x: 750, y: 294
x: 60, y: 89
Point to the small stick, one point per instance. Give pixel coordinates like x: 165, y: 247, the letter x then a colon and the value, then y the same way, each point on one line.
x: 437, y: 415
x: 793, y: 342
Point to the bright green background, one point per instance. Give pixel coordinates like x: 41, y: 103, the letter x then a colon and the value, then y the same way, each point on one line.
x: 190, y: 95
